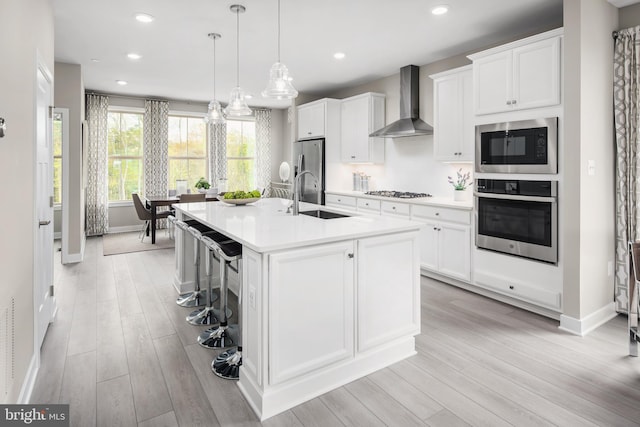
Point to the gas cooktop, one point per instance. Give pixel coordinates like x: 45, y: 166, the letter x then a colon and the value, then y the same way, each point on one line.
x: 397, y: 194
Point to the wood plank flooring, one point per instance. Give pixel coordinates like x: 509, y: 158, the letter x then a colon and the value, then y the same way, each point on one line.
x: 121, y: 354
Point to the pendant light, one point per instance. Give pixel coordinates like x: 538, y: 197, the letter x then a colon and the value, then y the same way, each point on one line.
x: 279, y: 85
x: 237, y: 103
x: 214, y: 115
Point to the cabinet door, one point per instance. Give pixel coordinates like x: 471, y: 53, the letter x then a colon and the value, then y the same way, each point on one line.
x: 536, y: 74
x: 454, y: 247
x: 388, y: 289
x: 355, y: 129
x: 447, y: 118
x: 468, y: 130
x: 428, y: 242
x: 311, y: 121
x: 492, y: 82
x: 302, y: 340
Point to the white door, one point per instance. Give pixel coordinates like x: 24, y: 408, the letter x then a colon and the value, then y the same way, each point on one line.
x: 43, y: 263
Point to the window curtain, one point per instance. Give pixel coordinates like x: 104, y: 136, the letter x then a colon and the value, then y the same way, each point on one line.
x: 156, y: 150
x: 97, y: 197
x: 217, y: 148
x: 263, y: 147
x: 626, y: 81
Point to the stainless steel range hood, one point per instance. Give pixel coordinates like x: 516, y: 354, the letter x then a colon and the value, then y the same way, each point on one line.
x: 409, y: 123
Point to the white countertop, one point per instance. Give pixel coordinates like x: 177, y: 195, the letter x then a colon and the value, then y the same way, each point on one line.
x: 428, y: 201
x: 264, y: 226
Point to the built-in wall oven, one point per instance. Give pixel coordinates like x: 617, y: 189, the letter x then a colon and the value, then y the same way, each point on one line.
x: 518, y: 217
x: 525, y: 146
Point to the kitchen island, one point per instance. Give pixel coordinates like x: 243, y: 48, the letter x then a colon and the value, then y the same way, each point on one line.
x: 325, y: 301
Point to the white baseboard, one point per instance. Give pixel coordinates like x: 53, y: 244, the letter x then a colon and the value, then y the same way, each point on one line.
x: 587, y: 324
x: 57, y: 235
x: 29, y: 380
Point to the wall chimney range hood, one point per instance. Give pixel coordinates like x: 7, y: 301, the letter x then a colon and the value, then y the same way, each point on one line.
x: 409, y: 123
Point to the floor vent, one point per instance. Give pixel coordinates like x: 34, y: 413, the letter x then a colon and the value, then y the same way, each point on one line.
x: 7, y: 349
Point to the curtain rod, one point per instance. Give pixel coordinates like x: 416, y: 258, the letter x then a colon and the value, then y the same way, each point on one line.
x: 614, y: 35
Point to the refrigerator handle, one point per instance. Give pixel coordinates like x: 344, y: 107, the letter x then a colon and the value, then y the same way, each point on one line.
x: 299, y: 165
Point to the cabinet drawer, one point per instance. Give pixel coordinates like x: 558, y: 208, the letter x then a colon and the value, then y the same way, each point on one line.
x: 369, y: 205
x: 441, y: 214
x: 347, y: 202
x: 524, y: 291
x: 391, y: 208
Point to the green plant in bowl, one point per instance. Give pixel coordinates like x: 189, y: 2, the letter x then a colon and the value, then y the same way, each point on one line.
x: 203, y: 184
x: 242, y: 194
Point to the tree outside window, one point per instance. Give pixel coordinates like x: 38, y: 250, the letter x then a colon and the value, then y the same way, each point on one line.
x: 187, y: 150
x: 241, y: 155
x: 125, y: 163
x: 57, y: 158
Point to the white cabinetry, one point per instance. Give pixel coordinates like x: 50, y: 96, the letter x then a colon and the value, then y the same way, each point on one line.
x: 453, y: 134
x: 343, y: 202
x: 361, y: 115
x: 367, y: 205
x: 519, y: 75
x: 445, y: 240
x: 304, y: 340
x: 315, y: 117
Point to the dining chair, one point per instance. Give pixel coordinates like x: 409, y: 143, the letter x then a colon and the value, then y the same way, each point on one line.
x: 192, y: 197
x: 144, y: 214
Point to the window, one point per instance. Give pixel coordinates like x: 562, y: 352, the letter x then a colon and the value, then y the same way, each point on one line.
x: 241, y: 155
x: 187, y: 150
x: 57, y: 158
x: 125, y: 155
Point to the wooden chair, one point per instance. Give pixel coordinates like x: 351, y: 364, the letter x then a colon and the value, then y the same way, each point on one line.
x: 192, y: 197
x: 144, y: 214
x: 632, y: 301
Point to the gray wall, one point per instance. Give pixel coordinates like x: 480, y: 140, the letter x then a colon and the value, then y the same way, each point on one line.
x: 27, y: 33
x: 69, y: 93
x: 629, y: 16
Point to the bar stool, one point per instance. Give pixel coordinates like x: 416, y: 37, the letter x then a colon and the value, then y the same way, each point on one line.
x: 208, y: 315
x: 227, y: 364
x: 195, y: 298
x: 221, y: 336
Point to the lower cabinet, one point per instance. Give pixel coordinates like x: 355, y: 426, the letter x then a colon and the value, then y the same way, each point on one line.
x: 303, y: 340
x: 445, y: 240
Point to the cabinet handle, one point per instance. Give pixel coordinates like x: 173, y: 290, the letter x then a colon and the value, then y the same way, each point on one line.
x: 393, y: 207
x: 511, y: 287
x: 366, y: 204
x: 353, y: 157
x: 308, y: 133
x: 339, y: 200
x: 350, y: 255
x: 437, y: 213
x: 435, y: 228
x: 513, y: 101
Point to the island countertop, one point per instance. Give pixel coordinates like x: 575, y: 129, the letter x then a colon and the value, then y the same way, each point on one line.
x: 264, y: 226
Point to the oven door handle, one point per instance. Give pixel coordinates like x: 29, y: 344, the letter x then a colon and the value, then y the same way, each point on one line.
x: 516, y: 197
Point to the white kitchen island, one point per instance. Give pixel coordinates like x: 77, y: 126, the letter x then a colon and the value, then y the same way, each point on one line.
x: 325, y: 301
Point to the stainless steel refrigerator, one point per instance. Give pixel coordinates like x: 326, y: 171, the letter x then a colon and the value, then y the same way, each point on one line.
x: 312, y: 160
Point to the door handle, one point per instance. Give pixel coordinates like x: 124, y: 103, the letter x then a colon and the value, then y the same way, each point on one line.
x: 41, y: 223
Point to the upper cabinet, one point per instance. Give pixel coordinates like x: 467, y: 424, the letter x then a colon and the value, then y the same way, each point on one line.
x: 453, y: 134
x: 361, y: 115
x: 519, y: 75
x: 313, y: 118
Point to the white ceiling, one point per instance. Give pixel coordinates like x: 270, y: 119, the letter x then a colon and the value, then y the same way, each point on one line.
x: 378, y: 37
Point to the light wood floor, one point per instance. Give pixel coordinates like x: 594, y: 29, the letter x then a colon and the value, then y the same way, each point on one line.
x: 121, y: 354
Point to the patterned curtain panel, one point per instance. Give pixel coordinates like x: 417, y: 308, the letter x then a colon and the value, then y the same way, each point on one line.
x: 156, y: 148
x: 263, y: 146
x: 217, y: 148
x: 97, y: 198
x: 626, y: 80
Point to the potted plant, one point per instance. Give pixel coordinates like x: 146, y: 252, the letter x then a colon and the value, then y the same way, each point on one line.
x: 460, y: 185
x: 202, y: 185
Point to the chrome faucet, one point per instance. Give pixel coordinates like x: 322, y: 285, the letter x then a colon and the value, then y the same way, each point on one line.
x: 296, y: 190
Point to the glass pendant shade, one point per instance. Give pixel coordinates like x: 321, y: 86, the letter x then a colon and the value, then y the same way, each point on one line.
x: 279, y: 85
x: 237, y: 104
x: 214, y: 115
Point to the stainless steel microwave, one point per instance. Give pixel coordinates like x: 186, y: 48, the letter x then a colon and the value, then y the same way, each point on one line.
x: 526, y: 146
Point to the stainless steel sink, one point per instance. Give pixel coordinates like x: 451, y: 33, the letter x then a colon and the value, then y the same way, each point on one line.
x: 323, y: 214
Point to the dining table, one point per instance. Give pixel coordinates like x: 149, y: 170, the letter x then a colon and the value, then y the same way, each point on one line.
x: 153, y: 202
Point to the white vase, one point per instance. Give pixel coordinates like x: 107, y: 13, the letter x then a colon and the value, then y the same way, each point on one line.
x: 459, y: 195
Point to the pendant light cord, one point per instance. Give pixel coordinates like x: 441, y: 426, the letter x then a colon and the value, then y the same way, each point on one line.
x: 214, y: 68
x: 237, y: 48
x: 278, y: 30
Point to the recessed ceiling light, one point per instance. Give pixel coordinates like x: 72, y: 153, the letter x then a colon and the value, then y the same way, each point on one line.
x: 144, y: 17
x: 95, y: 60
x: 121, y: 82
x: 440, y: 10
x: 339, y: 55
x: 248, y: 96
x: 133, y: 56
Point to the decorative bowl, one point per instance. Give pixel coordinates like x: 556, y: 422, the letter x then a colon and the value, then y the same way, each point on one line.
x: 238, y: 201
